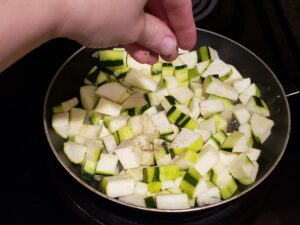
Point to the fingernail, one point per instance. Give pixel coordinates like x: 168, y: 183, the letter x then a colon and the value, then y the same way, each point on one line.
x: 168, y: 46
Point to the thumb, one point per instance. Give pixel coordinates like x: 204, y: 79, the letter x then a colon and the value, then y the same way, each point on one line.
x: 157, y: 36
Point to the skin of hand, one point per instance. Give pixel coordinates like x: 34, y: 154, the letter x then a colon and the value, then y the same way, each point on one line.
x: 146, y: 28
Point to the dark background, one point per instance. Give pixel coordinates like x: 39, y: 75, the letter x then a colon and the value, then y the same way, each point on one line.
x: 30, y: 195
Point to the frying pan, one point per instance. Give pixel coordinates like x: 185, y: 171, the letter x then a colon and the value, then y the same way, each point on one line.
x: 70, y: 76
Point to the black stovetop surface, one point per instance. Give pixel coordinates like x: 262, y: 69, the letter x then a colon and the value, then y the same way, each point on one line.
x: 35, y: 189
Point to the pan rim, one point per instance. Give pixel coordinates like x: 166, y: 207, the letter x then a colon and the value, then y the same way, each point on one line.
x: 195, y: 209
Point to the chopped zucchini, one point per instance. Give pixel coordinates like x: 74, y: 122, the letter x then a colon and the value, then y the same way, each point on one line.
x: 117, y: 186
x: 155, y: 136
x: 66, y: 105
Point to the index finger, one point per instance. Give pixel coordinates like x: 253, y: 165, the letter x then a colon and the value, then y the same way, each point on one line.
x: 181, y: 20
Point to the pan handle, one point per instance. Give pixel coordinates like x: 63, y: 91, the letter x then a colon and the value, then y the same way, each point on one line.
x: 291, y: 90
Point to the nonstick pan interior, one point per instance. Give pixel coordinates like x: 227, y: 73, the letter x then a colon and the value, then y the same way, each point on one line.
x: 69, y: 78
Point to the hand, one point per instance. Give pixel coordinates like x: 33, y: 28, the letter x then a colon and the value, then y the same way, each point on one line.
x: 147, y: 29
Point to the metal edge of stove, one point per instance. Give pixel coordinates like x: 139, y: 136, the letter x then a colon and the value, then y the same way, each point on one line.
x: 202, y: 8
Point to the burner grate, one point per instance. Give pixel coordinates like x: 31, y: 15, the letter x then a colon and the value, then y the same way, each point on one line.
x: 202, y: 8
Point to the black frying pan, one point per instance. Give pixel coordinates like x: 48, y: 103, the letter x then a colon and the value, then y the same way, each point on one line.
x: 69, y: 78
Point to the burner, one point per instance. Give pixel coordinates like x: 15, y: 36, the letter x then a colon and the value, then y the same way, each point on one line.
x: 216, y: 15
x: 202, y: 8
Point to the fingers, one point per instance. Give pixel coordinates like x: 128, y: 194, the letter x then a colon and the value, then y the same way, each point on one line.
x: 157, y: 36
x: 180, y: 18
x: 155, y: 8
x: 141, y: 54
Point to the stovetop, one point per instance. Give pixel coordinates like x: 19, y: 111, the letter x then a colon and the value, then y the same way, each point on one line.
x: 36, y: 190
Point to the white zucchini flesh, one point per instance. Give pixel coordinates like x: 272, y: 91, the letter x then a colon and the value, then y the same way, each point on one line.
x: 182, y: 94
x: 141, y: 188
x: 78, y: 139
x: 202, y: 66
x: 177, y: 62
x: 88, y: 97
x: 257, y: 105
x: 150, y: 111
x: 246, y: 130
x: 213, y: 53
x: 162, y: 123
x: 60, y: 123
x: 235, y: 76
x: 143, y: 67
x: 252, y: 176
x: 212, y: 195
x: 114, y: 123
x: 77, y: 117
x: 136, y: 174
x: 241, y: 114
x: 186, y: 160
x: 162, y: 93
x: 242, y: 85
x: 135, y: 100
x: 261, y: 127
x: 164, y: 161
x: 216, y: 87
x: 187, y: 139
x: 241, y: 166
x: 170, y: 82
x: 142, y: 124
x: 236, y: 142
x: 117, y: 186
x: 89, y: 131
x: 223, y: 179
x: 134, y: 199
x: 118, y: 93
x: 228, y: 107
x: 253, y: 154
x: 104, y: 131
x: 194, y: 107
x: 127, y: 156
x: 146, y: 158
x: 107, y: 164
x: 175, y: 191
x: 153, y: 99
x: 66, y: 105
x: 93, y: 149
x: 140, y: 80
x: 209, y: 124
x: 218, y: 67
x: 172, y: 201
x: 253, y: 90
x: 108, y: 107
x: 201, y: 188
x: 194, y: 85
x: 110, y: 143
x: 205, y: 134
x: 227, y: 157
x: 75, y: 152
x: 211, y: 107
x: 171, y: 137
x: 208, y: 157
x: 182, y: 51
x: 167, y: 184
x: 189, y: 58
x: 141, y: 142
